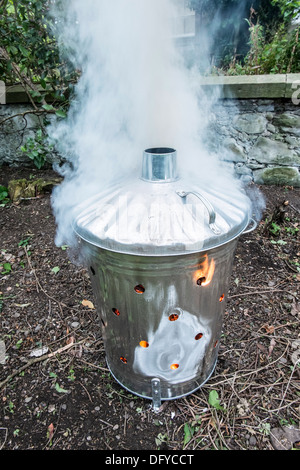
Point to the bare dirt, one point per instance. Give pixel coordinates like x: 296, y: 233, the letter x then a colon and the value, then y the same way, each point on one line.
x: 64, y: 397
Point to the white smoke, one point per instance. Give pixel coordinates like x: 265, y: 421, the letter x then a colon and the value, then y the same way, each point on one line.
x: 134, y: 93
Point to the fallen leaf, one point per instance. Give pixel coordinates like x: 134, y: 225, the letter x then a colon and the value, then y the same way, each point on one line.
x: 88, y: 303
x: 22, y: 305
x: 59, y: 389
x: 50, y: 432
x: 295, y: 308
x: 39, y: 352
x: 269, y: 328
x: 271, y: 347
x: 284, y: 438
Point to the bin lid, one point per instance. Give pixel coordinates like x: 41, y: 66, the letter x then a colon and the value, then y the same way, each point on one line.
x: 162, y: 214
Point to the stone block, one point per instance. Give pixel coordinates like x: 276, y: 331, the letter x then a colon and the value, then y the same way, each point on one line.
x: 273, y: 152
x: 247, y: 86
x: 233, y: 151
x: 24, y: 189
x: 250, y: 123
x: 281, y: 176
x: 287, y: 120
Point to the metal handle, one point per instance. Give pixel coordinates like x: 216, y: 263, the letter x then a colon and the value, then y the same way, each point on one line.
x: 252, y: 227
x: 209, y: 207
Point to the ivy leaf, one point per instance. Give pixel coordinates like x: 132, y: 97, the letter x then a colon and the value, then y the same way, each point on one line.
x: 55, y: 269
x: 6, y: 268
x: 188, y: 433
x: 60, y: 113
x: 60, y: 389
x: 25, y: 52
x: 214, y: 401
x: 48, y: 107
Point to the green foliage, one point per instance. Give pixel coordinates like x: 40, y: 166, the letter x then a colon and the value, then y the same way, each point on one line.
x: 214, y: 401
x: 4, y: 199
x: 280, y: 54
x: 188, y: 433
x: 30, y: 56
x: 5, y: 268
x: 37, y: 148
x: 252, y: 37
x: 289, y: 8
x: 30, y: 50
x: 228, y: 31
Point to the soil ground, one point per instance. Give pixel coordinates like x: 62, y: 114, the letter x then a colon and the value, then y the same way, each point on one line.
x: 64, y: 398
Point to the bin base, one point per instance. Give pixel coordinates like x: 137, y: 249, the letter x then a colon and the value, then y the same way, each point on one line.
x: 155, y: 384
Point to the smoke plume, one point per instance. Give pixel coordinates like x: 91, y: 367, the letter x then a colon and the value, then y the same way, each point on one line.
x: 134, y: 93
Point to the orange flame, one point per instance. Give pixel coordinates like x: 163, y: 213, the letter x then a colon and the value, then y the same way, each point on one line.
x: 204, y: 275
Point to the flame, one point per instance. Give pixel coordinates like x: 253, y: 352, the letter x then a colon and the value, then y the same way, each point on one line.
x: 198, y: 336
x: 204, y: 275
x: 139, y: 289
x: 173, y: 317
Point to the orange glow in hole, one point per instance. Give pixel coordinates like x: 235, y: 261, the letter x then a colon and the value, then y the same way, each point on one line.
x: 139, y: 289
x: 116, y: 311
x: 144, y: 344
x: 123, y: 359
x: 204, y: 274
x: 222, y: 298
x: 174, y: 366
x: 216, y: 343
x: 173, y: 317
x: 198, y: 336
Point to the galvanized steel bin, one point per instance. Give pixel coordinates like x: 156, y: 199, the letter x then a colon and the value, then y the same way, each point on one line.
x: 159, y: 252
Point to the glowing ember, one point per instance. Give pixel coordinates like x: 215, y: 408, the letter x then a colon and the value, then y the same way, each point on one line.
x: 139, y: 289
x: 144, y: 344
x: 116, y: 311
x: 198, y: 336
x: 204, y: 274
x: 173, y: 317
x: 123, y: 359
x: 201, y: 281
x: 174, y: 366
x: 222, y: 298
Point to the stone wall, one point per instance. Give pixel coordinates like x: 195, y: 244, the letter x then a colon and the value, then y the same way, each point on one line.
x: 254, y: 125
x: 261, y: 137
x: 15, y: 132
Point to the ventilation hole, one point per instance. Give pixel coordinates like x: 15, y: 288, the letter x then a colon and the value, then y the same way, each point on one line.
x: 116, y: 311
x: 173, y: 317
x: 123, y: 359
x: 201, y: 280
x: 222, y: 298
x: 102, y: 321
x: 144, y: 344
x: 216, y: 344
x: 139, y: 289
x: 92, y: 270
x: 198, y: 336
x: 174, y: 366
